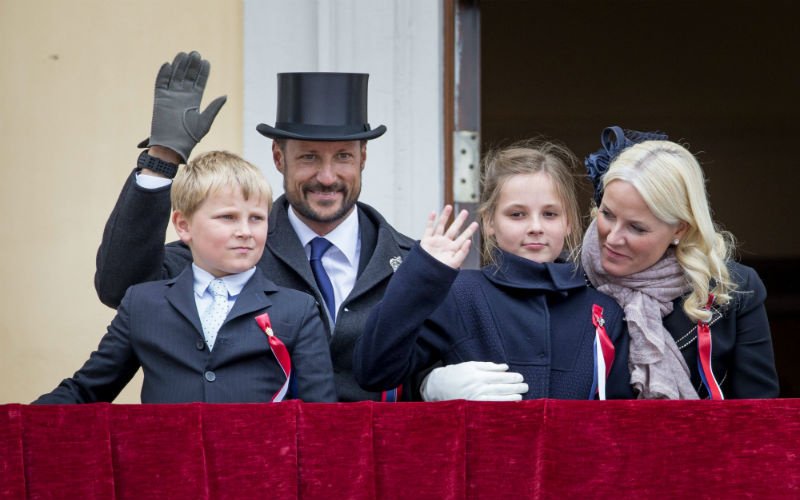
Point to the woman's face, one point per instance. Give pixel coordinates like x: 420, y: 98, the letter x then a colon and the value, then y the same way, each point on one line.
x: 529, y: 220
x: 631, y: 238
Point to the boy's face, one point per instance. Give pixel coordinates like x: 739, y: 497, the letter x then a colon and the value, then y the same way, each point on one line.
x: 227, y: 233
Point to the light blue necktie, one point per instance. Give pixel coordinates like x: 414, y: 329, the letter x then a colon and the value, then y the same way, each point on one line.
x: 318, y: 248
x: 216, y: 313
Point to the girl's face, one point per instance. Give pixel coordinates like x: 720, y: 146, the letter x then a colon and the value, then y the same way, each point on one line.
x: 529, y: 219
x: 631, y: 238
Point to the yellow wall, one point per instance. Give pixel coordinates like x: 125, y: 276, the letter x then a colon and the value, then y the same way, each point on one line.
x: 76, y: 83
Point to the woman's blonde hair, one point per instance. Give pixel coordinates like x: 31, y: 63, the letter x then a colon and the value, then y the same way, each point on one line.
x: 671, y: 182
x: 529, y: 157
x: 210, y: 172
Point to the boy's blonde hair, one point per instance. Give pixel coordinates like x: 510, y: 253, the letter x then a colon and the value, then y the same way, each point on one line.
x: 210, y: 172
x: 530, y: 157
x: 671, y: 182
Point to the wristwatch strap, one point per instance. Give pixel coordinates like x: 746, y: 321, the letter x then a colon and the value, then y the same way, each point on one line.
x: 157, y: 165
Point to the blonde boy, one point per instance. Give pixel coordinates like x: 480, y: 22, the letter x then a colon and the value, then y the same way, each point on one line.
x: 220, y: 331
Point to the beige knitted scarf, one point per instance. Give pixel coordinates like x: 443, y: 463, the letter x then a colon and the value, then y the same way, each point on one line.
x: 658, y: 370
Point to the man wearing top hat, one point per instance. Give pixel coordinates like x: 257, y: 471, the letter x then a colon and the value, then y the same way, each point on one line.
x: 320, y: 146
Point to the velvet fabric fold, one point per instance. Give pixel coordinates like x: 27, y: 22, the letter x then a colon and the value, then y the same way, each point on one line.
x: 454, y: 449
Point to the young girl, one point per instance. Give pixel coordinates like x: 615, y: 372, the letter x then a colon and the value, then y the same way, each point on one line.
x: 525, y: 311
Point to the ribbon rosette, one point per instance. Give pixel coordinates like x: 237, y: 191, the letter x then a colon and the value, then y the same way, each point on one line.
x: 279, y: 351
x: 604, y: 352
x: 614, y: 140
x: 704, y: 350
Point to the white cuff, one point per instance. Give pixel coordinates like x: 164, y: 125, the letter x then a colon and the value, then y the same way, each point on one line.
x: 151, y: 181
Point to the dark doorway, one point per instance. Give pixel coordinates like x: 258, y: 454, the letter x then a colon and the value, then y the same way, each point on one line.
x: 721, y: 77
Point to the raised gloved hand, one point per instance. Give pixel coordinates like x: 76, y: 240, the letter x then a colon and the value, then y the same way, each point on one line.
x: 475, y: 381
x: 178, y: 123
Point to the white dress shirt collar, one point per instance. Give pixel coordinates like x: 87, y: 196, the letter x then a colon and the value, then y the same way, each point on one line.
x: 345, y: 236
x: 233, y: 282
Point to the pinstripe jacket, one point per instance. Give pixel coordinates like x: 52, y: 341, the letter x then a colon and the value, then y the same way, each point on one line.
x: 157, y: 328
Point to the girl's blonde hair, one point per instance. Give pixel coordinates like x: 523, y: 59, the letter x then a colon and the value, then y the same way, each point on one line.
x: 671, y: 182
x: 530, y: 157
x: 210, y: 172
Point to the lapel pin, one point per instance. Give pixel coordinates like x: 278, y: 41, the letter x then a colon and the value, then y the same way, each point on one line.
x: 395, y: 262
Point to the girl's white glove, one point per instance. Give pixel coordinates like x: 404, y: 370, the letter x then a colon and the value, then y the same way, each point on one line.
x: 474, y: 381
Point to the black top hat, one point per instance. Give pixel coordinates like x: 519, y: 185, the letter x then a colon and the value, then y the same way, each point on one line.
x: 322, y: 107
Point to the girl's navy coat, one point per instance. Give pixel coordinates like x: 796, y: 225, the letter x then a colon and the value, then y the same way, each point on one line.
x: 534, y: 317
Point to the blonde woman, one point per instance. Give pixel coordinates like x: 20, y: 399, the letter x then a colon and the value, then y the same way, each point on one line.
x: 696, y: 318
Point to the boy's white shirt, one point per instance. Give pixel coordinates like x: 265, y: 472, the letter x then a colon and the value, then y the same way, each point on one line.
x: 203, y: 298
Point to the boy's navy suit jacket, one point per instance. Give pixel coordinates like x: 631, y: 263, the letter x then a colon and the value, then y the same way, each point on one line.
x: 157, y: 327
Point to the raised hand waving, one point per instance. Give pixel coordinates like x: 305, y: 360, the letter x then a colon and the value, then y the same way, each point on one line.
x: 449, y: 245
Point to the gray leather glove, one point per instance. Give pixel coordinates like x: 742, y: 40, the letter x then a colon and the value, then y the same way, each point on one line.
x: 178, y: 123
x: 475, y: 381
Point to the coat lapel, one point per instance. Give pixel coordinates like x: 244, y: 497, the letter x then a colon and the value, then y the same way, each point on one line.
x: 369, y: 241
x: 285, y: 245
x: 181, y: 295
x: 254, y: 296
x: 380, y: 264
x: 683, y: 329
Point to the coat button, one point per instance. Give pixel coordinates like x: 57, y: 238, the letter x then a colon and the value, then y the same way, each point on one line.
x: 200, y: 345
x: 210, y: 376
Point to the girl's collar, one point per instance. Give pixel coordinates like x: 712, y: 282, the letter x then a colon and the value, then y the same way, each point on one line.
x: 513, y: 271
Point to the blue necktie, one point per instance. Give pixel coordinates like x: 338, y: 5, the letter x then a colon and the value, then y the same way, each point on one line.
x: 318, y: 248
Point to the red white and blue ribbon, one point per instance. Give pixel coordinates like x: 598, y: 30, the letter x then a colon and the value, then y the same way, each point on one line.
x: 392, y: 396
x: 704, y: 351
x: 279, y: 351
x: 603, y: 354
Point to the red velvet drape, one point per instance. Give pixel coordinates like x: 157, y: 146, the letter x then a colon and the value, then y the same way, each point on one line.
x: 533, y: 449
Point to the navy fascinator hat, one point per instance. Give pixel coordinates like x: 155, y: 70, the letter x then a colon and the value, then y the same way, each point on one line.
x: 614, y: 140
